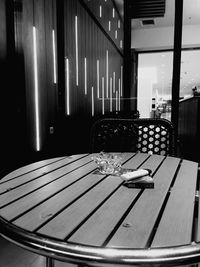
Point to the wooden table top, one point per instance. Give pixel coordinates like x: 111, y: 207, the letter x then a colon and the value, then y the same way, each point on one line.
x: 63, y: 201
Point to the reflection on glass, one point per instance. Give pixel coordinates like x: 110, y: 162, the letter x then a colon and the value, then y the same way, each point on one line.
x: 155, y: 84
x: 190, y: 55
x: 190, y: 77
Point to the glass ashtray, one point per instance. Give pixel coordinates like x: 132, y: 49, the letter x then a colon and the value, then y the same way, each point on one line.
x: 108, y: 163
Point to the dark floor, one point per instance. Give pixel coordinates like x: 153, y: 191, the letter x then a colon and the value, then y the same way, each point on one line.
x: 12, y: 255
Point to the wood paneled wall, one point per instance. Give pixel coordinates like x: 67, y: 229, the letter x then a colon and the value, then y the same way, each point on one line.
x: 38, y: 25
x: 106, y: 14
x: 80, y: 73
x: 93, y: 61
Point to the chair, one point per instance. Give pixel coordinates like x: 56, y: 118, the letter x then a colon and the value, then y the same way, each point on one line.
x: 153, y: 136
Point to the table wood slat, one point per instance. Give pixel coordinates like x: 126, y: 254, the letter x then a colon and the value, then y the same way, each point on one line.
x: 66, y: 199
x: 135, y: 161
x: 27, y: 202
x: 39, y: 215
x: 75, y: 209
x: 99, y: 226
x: 29, y: 168
x: 36, y: 165
x: 13, y: 193
x: 59, y: 168
x: 143, y: 215
x: 153, y: 162
x: 71, y: 217
x: 175, y: 227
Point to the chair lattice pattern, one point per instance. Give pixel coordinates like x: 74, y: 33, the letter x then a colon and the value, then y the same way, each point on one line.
x: 153, y: 136
x: 153, y: 139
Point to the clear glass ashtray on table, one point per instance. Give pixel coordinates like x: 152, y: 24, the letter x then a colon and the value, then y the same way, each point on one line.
x: 108, y: 163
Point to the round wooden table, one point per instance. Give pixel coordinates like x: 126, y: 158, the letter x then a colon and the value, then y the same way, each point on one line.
x: 62, y: 209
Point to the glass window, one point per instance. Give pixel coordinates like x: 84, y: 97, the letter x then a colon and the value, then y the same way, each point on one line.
x: 153, y: 38
x: 190, y: 56
x: 155, y: 84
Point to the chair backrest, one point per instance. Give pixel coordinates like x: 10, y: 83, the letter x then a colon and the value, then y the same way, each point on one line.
x: 154, y: 136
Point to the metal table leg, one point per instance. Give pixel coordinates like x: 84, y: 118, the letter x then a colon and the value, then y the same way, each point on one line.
x: 49, y: 262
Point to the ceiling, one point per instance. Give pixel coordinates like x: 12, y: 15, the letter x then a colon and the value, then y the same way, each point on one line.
x: 191, y: 10
x: 191, y: 14
x: 163, y: 62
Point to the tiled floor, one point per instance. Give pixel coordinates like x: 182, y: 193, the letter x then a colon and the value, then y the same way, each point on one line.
x: 12, y: 255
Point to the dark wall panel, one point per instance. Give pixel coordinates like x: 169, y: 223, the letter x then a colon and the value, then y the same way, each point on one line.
x: 39, y: 14
x: 2, y: 30
x: 87, y: 62
x: 99, y: 61
x: 13, y: 112
x: 44, y: 112
x: 51, y: 73
x: 108, y: 17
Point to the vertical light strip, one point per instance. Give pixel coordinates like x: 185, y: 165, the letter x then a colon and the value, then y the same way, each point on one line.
x: 121, y: 44
x: 115, y: 34
x: 121, y: 80
x: 103, y: 107
x: 107, y: 82
x: 119, y: 94
x: 119, y: 107
x: 37, y: 123
x: 85, y: 64
x: 116, y: 100
x: 100, y: 11
x: 76, y: 44
x: 118, y: 24
x: 119, y: 86
x: 109, y: 25
x: 67, y: 85
x: 54, y: 56
x: 110, y: 94
x: 113, y: 82
x: 97, y: 78
x: 92, y: 101
x: 113, y: 13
